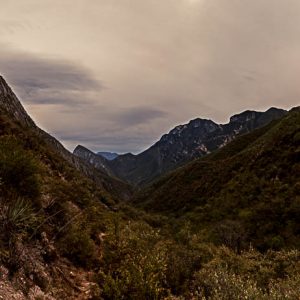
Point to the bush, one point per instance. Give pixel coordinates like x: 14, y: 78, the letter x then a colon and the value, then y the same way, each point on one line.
x: 250, y: 275
x: 78, y: 246
x: 17, y: 216
x: 134, y: 262
x: 18, y: 169
x: 17, y: 220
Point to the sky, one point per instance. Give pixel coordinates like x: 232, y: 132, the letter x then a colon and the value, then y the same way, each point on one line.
x: 115, y: 75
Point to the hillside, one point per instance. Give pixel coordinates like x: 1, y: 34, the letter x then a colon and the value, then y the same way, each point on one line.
x: 252, y: 184
x: 11, y: 106
x: 52, y: 210
x: 182, y: 144
x: 66, y: 234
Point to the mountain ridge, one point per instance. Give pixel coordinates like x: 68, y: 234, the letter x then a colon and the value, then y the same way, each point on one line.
x: 253, y: 180
x: 183, y: 143
x: 11, y: 105
x: 10, y: 102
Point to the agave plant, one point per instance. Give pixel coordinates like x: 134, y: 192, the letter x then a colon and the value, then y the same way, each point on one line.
x: 17, y: 216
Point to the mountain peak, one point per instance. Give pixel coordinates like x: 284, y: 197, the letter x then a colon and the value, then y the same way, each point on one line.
x: 80, y: 148
x: 264, y: 117
x: 244, y: 116
x: 11, y: 104
x: 204, y: 124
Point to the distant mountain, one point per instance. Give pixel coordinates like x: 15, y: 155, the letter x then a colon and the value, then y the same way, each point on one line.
x: 252, y: 184
x: 98, y: 161
x: 185, y: 142
x: 108, y: 155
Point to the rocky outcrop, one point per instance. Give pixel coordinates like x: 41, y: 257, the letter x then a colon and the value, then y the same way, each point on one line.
x: 98, y: 161
x: 182, y: 144
x: 10, y: 103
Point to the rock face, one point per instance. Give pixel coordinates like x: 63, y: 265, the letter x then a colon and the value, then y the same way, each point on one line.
x: 10, y: 103
x: 182, y: 144
x: 98, y: 161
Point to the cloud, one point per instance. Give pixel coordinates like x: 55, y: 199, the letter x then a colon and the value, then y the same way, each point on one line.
x: 163, y: 63
x: 99, y: 142
x: 139, y: 115
x: 71, y: 96
x: 11, y: 26
x: 47, y: 81
x: 128, y: 130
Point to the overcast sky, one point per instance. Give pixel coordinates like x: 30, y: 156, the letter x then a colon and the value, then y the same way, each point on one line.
x: 117, y: 74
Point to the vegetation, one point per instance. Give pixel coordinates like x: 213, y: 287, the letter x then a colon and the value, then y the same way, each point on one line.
x: 247, y: 192
x: 41, y: 192
x: 140, y: 262
x: 223, y: 227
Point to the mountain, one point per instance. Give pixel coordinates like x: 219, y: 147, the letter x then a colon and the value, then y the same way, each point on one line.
x: 108, y: 155
x: 98, y: 161
x: 183, y: 143
x: 53, y: 207
x: 64, y: 234
x: 10, y: 105
x: 252, y: 185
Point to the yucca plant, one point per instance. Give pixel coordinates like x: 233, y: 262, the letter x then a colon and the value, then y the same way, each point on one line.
x: 16, y: 216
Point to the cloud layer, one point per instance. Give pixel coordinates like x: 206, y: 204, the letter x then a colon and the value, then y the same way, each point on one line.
x: 47, y: 81
x: 116, y: 75
x: 67, y: 94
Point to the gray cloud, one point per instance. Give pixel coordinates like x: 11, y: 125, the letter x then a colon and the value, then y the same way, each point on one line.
x: 139, y: 115
x: 128, y: 130
x: 47, y: 81
x: 125, y: 144
x: 163, y: 63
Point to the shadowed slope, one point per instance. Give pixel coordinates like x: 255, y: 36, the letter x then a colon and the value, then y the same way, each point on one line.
x: 254, y: 180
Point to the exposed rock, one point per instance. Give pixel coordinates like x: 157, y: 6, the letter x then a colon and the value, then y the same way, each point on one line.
x: 11, y: 104
x: 182, y: 144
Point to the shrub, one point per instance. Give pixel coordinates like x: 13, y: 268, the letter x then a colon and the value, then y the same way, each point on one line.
x: 251, y: 275
x: 17, y: 216
x: 135, y: 262
x: 17, y: 220
x: 78, y: 246
x: 18, y: 169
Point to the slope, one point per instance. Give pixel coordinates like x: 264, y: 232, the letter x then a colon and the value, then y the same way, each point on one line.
x: 182, y: 144
x: 10, y: 105
x: 53, y: 208
x: 253, y: 182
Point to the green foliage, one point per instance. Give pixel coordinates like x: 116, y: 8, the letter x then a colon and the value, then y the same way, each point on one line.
x: 18, y: 221
x: 17, y: 216
x: 140, y: 262
x: 78, y: 246
x: 18, y: 169
x: 134, y: 262
x: 250, y: 275
x: 246, y: 192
